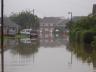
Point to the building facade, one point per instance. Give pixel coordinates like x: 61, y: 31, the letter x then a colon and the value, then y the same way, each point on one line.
x: 10, y: 28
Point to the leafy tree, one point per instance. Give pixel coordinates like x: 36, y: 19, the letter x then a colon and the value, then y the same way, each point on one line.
x: 87, y: 23
x: 84, y: 30
x: 25, y: 19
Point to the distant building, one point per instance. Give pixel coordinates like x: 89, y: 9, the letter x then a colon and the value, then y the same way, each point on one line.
x: 10, y: 28
x: 52, y: 22
x: 48, y: 25
x: 94, y: 9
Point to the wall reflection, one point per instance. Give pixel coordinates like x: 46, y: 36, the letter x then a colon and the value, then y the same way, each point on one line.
x: 53, y: 40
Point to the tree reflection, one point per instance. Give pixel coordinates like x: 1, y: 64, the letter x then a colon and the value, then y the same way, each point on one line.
x: 10, y: 43
x: 85, y: 52
x: 26, y: 49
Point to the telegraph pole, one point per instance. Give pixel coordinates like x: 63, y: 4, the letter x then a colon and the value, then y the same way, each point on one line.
x: 2, y: 36
x: 34, y: 19
x: 33, y: 11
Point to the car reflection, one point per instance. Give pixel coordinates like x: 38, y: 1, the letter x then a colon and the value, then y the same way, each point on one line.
x: 26, y: 40
x: 29, y: 40
x: 26, y: 47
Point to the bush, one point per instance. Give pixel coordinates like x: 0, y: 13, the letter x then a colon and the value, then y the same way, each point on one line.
x: 93, y: 44
x: 89, y: 37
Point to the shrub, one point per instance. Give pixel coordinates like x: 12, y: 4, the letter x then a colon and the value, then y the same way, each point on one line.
x: 88, y: 37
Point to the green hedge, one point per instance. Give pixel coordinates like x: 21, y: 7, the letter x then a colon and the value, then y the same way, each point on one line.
x: 82, y: 36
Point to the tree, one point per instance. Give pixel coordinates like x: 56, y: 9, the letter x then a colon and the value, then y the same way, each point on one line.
x: 25, y: 19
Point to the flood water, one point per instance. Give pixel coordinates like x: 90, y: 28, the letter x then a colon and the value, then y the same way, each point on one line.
x: 42, y: 55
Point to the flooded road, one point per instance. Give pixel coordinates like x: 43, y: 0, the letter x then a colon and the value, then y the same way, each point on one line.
x: 42, y: 55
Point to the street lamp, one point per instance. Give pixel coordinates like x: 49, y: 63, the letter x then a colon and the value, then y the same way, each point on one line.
x: 71, y: 15
x: 70, y: 21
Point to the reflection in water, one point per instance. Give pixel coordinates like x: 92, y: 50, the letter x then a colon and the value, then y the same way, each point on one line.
x: 22, y: 46
x: 53, y: 41
x: 84, y: 52
x: 26, y: 47
x: 10, y: 43
x: 21, y: 50
x: 47, y: 54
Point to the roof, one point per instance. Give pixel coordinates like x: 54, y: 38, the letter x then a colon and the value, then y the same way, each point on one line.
x: 50, y: 20
x: 57, y: 21
x: 63, y: 22
x: 8, y: 22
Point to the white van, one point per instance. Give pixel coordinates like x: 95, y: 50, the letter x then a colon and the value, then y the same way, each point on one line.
x: 26, y: 31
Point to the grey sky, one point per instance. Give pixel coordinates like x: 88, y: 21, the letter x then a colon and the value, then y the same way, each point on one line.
x: 50, y: 7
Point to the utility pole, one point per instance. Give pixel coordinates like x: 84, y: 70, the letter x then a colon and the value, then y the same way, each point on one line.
x: 2, y: 36
x: 33, y: 11
x: 33, y: 19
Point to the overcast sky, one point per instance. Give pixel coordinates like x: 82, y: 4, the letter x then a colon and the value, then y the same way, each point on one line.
x: 50, y: 7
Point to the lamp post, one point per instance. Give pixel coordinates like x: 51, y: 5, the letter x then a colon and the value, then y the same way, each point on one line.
x: 2, y: 36
x: 70, y: 21
x: 70, y: 13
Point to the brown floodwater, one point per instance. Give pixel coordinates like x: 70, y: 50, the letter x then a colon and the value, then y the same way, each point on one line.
x: 42, y: 55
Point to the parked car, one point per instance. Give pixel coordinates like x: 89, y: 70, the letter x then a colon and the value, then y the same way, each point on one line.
x: 34, y: 34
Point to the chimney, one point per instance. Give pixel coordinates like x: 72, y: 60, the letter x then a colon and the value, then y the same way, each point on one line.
x: 94, y: 9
